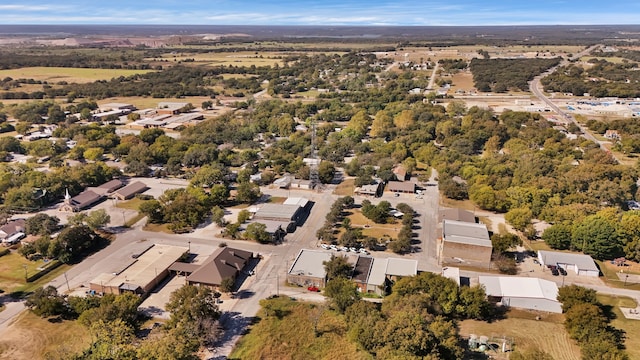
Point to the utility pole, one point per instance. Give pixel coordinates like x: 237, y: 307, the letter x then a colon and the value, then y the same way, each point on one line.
x: 277, y: 285
x: 25, y: 273
x: 67, y: 281
x: 313, y: 165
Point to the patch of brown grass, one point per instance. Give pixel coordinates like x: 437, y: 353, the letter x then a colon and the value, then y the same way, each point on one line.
x: 527, y: 333
x: 345, y: 188
x: 32, y: 337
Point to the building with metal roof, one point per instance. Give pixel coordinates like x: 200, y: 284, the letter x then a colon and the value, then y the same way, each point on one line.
x: 578, y: 263
x: 522, y: 292
x: 280, y: 212
x: 308, y: 268
x: 143, y: 274
x: 130, y: 190
x: 465, y: 243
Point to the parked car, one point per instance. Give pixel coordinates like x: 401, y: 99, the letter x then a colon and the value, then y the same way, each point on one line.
x: 313, y: 289
x: 324, y: 246
x: 555, y: 271
x: 363, y: 251
x: 333, y: 247
x: 344, y: 248
x: 352, y: 249
x: 562, y: 271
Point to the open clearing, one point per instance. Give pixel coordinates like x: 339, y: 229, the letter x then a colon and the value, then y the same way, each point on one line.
x: 631, y: 327
x: 373, y: 229
x: 32, y: 337
x: 527, y: 333
x: 70, y: 75
x: 12, y: 271
x: 247, y: 58
x: 287, y: 333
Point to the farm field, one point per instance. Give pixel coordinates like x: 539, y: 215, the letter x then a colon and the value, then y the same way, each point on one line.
x: 527, y: 333
x: 32, y: 337
x: 247, y: 58
x: 70, y: 75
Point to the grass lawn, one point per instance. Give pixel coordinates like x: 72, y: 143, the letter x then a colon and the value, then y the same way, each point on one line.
x: 133, y: 204
x: 158, y: 228
x: 12, y: 272
x: 70, y: 75
x: 611, y: 278
x: 528, y: 333
x: 277, y: 199
x: 345, y: 188
x: 286, y: 332
x: 375, y: 230
x: 32, y: 337
x: 631, y: 327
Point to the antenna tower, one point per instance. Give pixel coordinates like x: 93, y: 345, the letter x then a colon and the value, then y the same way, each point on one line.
x: 313, y: 166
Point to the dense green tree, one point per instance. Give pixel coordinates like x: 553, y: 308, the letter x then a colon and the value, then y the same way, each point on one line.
x: 519, y: 218
x: 46, y: 302
x: 342, y: 293
x: 558, y: 236
x: 42, y: 224
x: 598, y: 237
x: 153, y: 210
x: 503, y: 242
x: 258, y: 232
x: 247, y: 192
x: 326, y: 170
x: 572, y: 295
x: 97, y: 219
x: 337, y: 266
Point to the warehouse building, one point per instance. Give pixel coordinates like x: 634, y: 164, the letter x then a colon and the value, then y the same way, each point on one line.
x: 578, y: 263
x: 522, y: 292
x: 143, y: 274
x: 465, y: 243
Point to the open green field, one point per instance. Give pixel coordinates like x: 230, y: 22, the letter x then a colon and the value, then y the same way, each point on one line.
x: 615, y: 60
x: 527, y: 333
x: 70, y: 75
x: 631, y: 327
x: 32, y: 337
x: 286, y: 333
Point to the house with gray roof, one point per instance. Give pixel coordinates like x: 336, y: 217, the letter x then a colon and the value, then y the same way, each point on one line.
x: 578, y: 263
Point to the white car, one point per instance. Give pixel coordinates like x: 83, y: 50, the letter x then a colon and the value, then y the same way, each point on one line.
x: 333, y: 247
x: 344, y: 248
x: 324, y: 246
x: 363, y: 251
x: 353, y: 249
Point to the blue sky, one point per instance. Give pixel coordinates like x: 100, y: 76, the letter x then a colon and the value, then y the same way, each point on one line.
x: 327, y: 12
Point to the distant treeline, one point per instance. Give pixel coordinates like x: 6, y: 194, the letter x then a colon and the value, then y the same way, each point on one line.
x: 107, y: 60
x: 501, y: 75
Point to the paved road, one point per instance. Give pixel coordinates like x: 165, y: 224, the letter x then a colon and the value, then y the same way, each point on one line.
x: 536, y: 89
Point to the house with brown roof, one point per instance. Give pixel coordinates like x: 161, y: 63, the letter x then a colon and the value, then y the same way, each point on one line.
x: 81, y: 201
x: 401, y: 187
x: 130, y: 190
x: 110, y: 186
x: 223, y: 264
x: 401, y: 173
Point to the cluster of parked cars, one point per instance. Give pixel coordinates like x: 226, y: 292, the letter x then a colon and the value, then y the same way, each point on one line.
x: 344, y: 248
x: 557, y: 270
